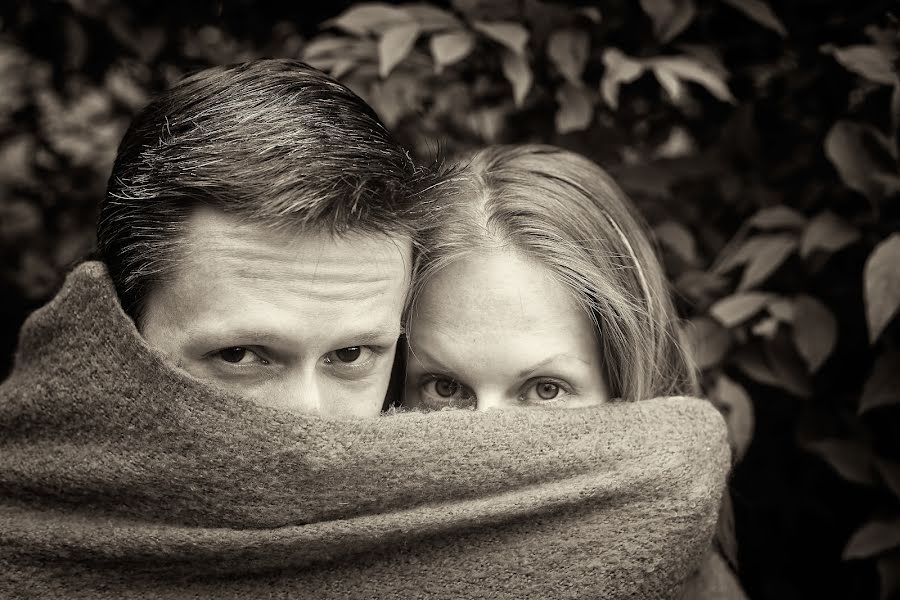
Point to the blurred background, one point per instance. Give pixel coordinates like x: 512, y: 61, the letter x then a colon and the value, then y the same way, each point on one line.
x: 760, y: 140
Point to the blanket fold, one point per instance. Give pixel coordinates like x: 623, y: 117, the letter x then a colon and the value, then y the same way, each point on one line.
x: 122, y: 476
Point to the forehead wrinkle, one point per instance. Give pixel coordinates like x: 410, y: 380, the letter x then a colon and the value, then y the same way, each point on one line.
x: 215, y: 238
x: 254, y: 262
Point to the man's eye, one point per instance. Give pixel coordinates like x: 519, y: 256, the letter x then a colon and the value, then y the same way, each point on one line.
x: 544, y: 390
x: 349, y: 356
x: 239, y: 355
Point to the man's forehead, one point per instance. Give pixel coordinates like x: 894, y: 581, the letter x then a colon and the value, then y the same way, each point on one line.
x: 238, y: 276
x: 251, y: 249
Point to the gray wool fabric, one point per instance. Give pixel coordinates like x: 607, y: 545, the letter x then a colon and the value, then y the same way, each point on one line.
x: 123, y: 477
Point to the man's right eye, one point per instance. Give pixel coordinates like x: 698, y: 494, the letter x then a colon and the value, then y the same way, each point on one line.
x: 239, y: 355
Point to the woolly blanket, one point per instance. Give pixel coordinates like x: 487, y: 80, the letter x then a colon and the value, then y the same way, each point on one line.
x: 123, y: 477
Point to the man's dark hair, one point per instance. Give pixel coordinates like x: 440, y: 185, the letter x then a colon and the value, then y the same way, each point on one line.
x: 271, y: 141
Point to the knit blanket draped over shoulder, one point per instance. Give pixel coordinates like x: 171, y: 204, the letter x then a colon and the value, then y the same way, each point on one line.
x: 123, y: 477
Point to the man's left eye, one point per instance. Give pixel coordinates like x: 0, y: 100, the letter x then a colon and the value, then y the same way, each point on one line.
x: 240, y: 355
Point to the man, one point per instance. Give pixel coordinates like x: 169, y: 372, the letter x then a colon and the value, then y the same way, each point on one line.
x: 257, y: 229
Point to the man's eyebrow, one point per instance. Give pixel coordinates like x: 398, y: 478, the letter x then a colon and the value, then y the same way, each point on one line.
x: 549, y: 360
x: 224, y: 336
x: 374, y: 335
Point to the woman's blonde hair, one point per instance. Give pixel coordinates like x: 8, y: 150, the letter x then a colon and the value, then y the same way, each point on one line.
x: 565, y: 212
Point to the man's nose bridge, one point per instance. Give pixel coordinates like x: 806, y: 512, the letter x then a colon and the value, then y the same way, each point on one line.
x: 303, y: 391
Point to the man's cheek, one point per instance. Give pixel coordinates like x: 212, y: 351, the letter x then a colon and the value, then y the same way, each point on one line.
x: 362, y: 397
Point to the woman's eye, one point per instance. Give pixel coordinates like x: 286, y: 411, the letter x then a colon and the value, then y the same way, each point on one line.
x: 443, y: 392
x: 446, y: 388
x: 239, y: 355
x: 544, y: 391
x: 349, y: 356
x: 547, y: 390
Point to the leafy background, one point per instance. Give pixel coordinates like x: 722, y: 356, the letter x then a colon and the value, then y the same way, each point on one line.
x: 760, y: 141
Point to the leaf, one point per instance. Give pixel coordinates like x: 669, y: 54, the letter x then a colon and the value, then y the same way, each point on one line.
x: 397, y: 96
x: 738, y: 413
x: 670, y: 17
x: 869, y: 61
x: 766, y: 328
x: 707, y: 55
x: 568, y: 51
x: 873, y: 538
x: 324, y: 45
x: 815, y: 331
x: 517, y: 71
x: 754, y: 365
x: 828, y: 233
x: 342, y: 66
x: 512, y: 35
x: 787, y: 366
x: 851, y: 459
x: 760, y: 12
x: 488, y: 122
x: 592, y: 13
x: 708, y: 341
x: 669, y: 82
x: 394, y: 45
x: 339, y: 54
x: 700, y: 287
x: 431, y: 18
x: 76, y: 43
x: 737, y: 308
x: 369, y: 17
x: 765, y: 262
x: 882, y: 285
x: 777, y: 217
x: 890, y: 474
x: 749, y: 248
x: 146, y: 41
x: 882, y: 386
x: 678, y: 145
x: 620, y: 69
x: 16, y: 155
x: 889, y: 574
x: 895, y: 108
x: 37, y: 276
x: 688, y: 68
x: 677, y: 238
x: 855, y: 160
x: 782, y: 309
x: 576, y: 108
x: 451, y: 47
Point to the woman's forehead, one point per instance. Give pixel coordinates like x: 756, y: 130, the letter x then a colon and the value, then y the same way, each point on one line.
x: 500, y: 298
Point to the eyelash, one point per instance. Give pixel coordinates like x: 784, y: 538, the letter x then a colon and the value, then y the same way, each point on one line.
x: 375, y: 353
x: 565, y: 388
x: 262, y: 360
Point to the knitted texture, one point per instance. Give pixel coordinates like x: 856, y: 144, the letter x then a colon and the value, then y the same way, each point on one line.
x: 124, y: 477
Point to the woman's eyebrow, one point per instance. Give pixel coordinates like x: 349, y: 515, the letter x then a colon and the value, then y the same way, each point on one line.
x: 548, y: 361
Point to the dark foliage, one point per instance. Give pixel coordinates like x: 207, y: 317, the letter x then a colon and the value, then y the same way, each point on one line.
x: 760, y: 141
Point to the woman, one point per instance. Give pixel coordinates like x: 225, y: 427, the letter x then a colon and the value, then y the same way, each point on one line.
x: 539, y: 287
